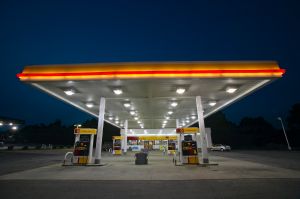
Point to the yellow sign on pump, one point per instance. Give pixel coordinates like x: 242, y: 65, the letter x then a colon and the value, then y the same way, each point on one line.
x: 117, y: 137
x: 190, y: 130
x: 87, y: 131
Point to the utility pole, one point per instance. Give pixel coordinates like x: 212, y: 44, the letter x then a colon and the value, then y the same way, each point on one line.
x: 283, y: 129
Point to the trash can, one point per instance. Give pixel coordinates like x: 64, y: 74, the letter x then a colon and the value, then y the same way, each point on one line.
x: 141, y: 158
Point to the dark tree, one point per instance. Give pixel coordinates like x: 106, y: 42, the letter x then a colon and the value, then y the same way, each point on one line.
x: 223, y: 131
x: 258, y: 131
x: 250, y: 133
x: 54, y: 133
x: 58, y: 134
x: 293, y: 121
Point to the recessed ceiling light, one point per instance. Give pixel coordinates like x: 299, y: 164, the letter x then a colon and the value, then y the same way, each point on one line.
x: 180, y: 90
x: 167, y: 117
x: 110, y: 118
x: 127, y: 105
x: 89, y: 105
x: 170, y: 112
x: 117, y: 121
x: 1, y: 124
x: 10, y: 124
x: 164, y: 122
x: 188, y: 121
x: 118, y: 91
x: 69, y: 92
x: 231, y: 89
x: 121, y: 124
x: 136, y: 118
x: 132, y: 112
x: 193, y: 117
x: 183, y: 123
x: 138, y: 122
x: 212, y: 103
x: 14, y: 128
x: 174, y: 104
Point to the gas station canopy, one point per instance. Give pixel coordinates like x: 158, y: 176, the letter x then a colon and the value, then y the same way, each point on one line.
x: 152, y: 95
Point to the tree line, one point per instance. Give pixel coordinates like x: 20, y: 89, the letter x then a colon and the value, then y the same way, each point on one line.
x: 255, y: 133
x: 248, y: 133
x: 58, y: 134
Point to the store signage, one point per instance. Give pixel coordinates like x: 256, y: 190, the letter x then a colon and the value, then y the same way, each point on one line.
x: 157, y: 137
x: 190, y: 130
x: 82, y: 131
x: 132, y: 138
x: 148, y: 138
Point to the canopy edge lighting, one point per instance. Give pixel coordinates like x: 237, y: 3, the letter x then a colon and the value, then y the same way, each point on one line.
x: 151, y: 74
x: 151, y: 70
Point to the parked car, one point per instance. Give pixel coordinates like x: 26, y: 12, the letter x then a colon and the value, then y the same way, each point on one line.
x: 220, y: 147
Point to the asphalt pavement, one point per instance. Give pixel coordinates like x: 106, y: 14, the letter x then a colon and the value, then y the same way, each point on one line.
x: 20, y: 160
x: 210, y: 189
x: 240, y: 174
x: 282, y: 159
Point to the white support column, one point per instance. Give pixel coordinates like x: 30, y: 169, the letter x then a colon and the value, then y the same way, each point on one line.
x: 125, y: 135
x: 179, y: 142
x: 198, y: 139
x: 203, y: 140
x: 122, y: 132
x: 100, y: 131
x: 77, y: 138
x: 91, y: 149
x: 194, y: 137
x: 113, y: 151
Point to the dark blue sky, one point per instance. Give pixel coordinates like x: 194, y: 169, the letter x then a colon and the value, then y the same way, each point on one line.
x: 58, y: 32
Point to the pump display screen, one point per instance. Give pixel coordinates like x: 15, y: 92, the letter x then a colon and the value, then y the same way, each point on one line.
x: 82, y: 146
x: 189, y: 148
x: 117, y: 145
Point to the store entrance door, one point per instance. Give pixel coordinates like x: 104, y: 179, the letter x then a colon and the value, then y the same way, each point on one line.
x: 148, y: 145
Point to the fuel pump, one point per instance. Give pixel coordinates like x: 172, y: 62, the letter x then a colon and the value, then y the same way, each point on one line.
x: 189, y: 150
x: 83, y: 146
x: 117, y: 149
x: 188, y: 145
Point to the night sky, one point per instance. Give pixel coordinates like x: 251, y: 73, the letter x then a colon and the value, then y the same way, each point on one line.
x: 63, y: 32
